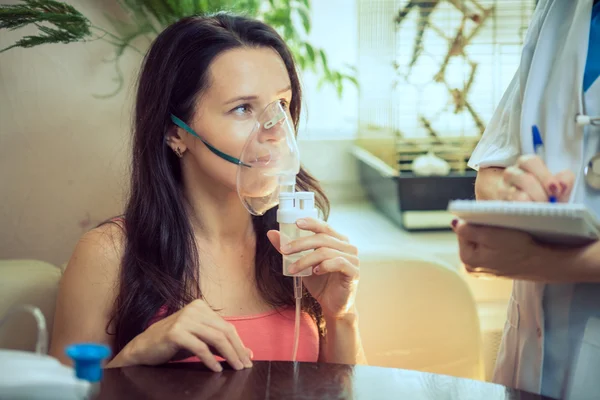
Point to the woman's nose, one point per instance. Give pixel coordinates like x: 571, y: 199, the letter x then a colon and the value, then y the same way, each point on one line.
x: 274, y: 132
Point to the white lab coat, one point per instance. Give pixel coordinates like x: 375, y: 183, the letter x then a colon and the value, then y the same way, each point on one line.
x: 546, y: 91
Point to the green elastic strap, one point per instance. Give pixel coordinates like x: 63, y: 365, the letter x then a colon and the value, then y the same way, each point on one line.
x: 219, y: 153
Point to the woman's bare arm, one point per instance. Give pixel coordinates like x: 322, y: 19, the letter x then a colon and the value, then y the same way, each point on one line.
x: 342, y: 344
x: 87, y: 291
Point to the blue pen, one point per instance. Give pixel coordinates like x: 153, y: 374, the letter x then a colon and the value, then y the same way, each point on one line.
x: 538, y: 148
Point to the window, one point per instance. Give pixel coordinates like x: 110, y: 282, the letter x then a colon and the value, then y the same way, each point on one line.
x: 325, y: 115
x: 433, y: 71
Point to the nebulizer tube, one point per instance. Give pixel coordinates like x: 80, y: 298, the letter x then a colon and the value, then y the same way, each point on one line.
x: 298, y: 296
x: 41, y: 345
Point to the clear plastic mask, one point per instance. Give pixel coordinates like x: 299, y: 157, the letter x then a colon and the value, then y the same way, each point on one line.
x: 270, y: 156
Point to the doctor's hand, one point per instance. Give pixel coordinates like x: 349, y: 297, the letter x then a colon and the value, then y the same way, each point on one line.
x: 530, y: 180
x: 334, y: 262
x: 507, y: 253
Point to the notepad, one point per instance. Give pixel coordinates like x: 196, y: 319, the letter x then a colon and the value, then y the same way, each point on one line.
x: 555, y: 223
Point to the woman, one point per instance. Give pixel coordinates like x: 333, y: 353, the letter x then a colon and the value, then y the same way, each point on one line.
x: 187, y: 271
x: 553, y: 323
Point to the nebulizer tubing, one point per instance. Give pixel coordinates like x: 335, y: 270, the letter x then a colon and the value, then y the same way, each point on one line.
x: 297, y: 289
x: 277, y: 118
x: 41, y: 345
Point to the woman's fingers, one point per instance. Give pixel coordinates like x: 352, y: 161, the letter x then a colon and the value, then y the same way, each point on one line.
x: 234, y: 338
x: 227, y: 332
x: 318, y: 257
x: 318, y: 226
x: 222, y: 335
x: 220, y: 341
x: 535, y: 166
x: 525, y: 182
x: 508, y: 192
x: 275, y: 239
x: 338, y: 264
x: 531, y: 180
x: 191, y: 342
x: 566, y: 181
x: 317, y: 241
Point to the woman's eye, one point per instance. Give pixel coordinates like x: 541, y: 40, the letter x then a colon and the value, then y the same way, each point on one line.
x: 241, y: 110
x: 284, y: 103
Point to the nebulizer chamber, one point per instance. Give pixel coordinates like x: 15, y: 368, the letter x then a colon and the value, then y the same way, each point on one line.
x: 267, y: 172
x: 292, y: 207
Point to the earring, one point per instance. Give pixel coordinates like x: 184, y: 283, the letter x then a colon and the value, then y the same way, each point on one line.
x: 179, y: 152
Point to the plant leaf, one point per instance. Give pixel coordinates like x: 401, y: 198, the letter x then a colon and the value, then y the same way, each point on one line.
x: 310, y: 52
x: 305, y: 16
x: 67, y: 24
x: 160, y: 10
x: 306, y: 3
x: 122, y: 28
x: 352, y: 79
x: 324, y: 63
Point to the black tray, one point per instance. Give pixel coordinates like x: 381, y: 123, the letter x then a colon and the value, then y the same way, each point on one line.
x: 416, y: 203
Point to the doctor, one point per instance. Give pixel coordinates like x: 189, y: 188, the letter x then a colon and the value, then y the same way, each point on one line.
x: 551, y: 342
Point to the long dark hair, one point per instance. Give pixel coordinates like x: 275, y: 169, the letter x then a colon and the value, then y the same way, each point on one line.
x: 160, y: 262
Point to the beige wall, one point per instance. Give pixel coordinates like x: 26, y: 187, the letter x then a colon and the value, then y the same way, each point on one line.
x: 64, y: 153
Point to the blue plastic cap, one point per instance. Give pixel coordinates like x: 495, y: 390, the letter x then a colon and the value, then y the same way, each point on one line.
x: 537, y: 138
x: 87, y: 358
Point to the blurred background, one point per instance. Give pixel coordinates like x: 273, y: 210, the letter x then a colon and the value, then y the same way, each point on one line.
x: 397, y: 94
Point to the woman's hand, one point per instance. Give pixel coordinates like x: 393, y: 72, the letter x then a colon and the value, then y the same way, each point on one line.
x: 334, y: 262
x: 530, y: 180
x: 512, y: 254
x: 194, y: 329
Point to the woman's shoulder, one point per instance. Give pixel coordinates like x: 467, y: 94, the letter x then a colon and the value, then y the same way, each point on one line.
x: 100, y: 250
x: 108, y: 237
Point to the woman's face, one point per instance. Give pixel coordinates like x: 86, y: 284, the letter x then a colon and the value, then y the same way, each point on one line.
x: 242, y: 82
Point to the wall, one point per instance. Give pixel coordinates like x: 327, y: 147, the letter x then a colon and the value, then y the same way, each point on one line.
x: 64, y: 153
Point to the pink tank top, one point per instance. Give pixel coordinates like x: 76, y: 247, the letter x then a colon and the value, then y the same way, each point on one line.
x: 270, y: 335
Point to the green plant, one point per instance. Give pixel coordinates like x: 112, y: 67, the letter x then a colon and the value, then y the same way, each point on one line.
x: 58, y: 22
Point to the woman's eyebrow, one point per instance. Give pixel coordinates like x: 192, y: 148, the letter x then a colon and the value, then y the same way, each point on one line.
x: 254, y: 97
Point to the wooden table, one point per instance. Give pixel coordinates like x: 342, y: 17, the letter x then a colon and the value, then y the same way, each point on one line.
x: 286, y: 380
